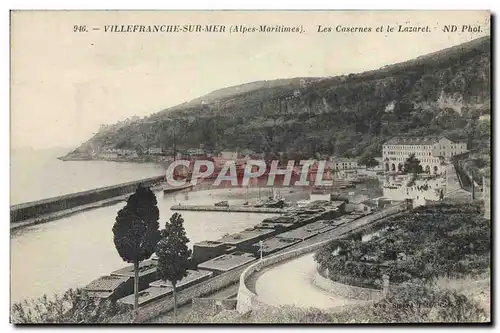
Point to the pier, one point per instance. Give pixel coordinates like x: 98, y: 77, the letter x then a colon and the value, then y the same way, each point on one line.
x: 228, y: 209
x: 49, y: 209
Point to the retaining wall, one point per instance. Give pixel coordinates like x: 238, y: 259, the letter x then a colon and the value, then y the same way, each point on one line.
x: 185, y: 296
x: 347, y: 291
x: 247, y: 300
x: 211, y: 306
x: 34, y: 209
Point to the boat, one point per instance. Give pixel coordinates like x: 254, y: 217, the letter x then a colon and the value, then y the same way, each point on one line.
x: 222, y: 204
x: 275, y: 203
x: 259, y: 204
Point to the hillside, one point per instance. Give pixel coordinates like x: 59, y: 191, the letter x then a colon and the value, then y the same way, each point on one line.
x: 443, y: 93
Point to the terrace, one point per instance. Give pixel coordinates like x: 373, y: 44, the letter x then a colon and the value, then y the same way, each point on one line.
x: 147, y: 273
x: 147, y: 296
x: 109, y: 287
x: 192, y: 278
x: 227, y: 262
x: 274, y: 244
x: 246, y: 237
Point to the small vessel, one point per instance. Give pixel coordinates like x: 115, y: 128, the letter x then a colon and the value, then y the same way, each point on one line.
x: 259, y: 204
x: 275, y: 203
x: 222, y: 204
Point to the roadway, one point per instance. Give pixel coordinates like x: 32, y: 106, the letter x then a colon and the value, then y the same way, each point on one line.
x: 291, y: 283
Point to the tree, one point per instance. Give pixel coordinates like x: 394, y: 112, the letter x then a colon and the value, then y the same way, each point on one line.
x: 173, y: 253
x: 412, y: 165
x: 368, y: 160
x: 136, y: 231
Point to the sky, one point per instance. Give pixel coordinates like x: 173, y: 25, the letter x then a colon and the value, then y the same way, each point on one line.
x: 65, y: 84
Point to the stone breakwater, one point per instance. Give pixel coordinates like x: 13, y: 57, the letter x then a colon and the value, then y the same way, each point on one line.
x: 56, y: 207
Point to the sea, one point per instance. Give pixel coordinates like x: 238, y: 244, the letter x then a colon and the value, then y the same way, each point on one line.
x: 70, y: 252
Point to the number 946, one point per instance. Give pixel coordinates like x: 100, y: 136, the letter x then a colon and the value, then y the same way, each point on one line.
x: 79, y: 28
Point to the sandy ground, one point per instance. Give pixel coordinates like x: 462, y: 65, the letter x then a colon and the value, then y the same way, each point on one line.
x: 291, y: 284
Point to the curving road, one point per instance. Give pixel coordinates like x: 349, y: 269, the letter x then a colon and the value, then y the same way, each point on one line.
x: 290, y: 283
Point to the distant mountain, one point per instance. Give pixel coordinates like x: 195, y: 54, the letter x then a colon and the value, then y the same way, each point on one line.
x: 442, y: 93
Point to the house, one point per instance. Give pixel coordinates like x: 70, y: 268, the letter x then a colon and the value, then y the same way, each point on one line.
x: 367, y: 206
x: 229, y: 155
x: 196, y: 152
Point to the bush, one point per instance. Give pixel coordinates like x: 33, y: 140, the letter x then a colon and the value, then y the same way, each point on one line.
x: 72, y: 307
x: 441, y: 240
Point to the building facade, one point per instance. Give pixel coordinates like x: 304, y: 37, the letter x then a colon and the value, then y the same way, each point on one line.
x: 341, y: 163
x: 229, y: 155
x: 432, y: 152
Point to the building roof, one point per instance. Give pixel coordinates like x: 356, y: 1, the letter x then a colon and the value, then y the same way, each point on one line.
x: 244, y: 235
x: 369, y: 203
x: 409, y: 140
x: 106, y: 283
x: 191, y: 277
x: 227, y: 262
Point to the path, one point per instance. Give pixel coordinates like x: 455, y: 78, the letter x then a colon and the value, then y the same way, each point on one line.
x: 290, y: 283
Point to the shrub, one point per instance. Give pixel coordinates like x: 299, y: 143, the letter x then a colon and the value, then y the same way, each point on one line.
x: 74, y: 307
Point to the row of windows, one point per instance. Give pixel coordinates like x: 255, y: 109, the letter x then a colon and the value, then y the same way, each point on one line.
x: 406, y: 147
x: 418, y: 153
x: 426, y: 160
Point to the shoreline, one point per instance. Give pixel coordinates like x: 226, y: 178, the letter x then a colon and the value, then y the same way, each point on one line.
x: 150, y: 160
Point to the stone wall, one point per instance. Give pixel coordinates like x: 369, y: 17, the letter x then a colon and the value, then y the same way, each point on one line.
x: 347, y: 291
x: 247, y: 300
x: 211, y: 306
x: 185, y: 296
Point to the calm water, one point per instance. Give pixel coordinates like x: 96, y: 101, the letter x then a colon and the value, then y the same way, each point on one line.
x: 39, y: 174
x: 71, y: 252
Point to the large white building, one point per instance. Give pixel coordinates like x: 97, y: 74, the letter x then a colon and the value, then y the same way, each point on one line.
x: 432, y: 152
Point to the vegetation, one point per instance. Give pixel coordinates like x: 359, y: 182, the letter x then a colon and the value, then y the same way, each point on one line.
x: 412, y: 165
x: 443, y: 93
x: 407, y: 303
x: 72, y: 307
x: 136, y: 231
x: 428, y: 242
x: 173, y: 253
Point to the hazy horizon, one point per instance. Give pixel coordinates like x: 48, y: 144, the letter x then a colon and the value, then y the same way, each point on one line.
x: 79, y: 81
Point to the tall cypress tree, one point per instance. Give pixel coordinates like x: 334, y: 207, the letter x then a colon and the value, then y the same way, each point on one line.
x: 136, y: 231
x: 173, y: 253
